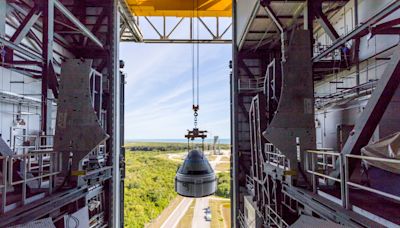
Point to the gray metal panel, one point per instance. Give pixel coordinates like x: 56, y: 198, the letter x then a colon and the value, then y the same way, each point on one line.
x: 295, y: 114
x: 5, y: 150
x: 77, y: 129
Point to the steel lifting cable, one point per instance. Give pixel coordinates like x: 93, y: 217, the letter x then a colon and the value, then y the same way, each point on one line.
x: 193, y: 61
x: 198, y: 53
x: 195, y: 72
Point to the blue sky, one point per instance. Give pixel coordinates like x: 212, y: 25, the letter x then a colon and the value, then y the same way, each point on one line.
x: 159, y: 90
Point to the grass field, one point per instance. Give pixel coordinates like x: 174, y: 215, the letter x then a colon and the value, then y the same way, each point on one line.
x: 149, y: 186
x: 166, y: 146
x: 223, y: 186
x: 225, y: 158
x: 186, y: 220
x: 149, y: 182
x: 219, y: 209
x: 156, y: 223
x: 223, y: 167
x: 226, y: 213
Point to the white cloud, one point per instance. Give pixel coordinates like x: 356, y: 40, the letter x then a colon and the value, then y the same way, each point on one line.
x: 159, y: 90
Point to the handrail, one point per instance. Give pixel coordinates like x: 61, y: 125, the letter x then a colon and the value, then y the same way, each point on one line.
x: 315, y: 174
x: 344, y: 179
x: 274, y: 157
x: 349, y: 183
x: 323, y: 152
x: 251, y: 84
x: 35, y: 139
x: 46, y: 165
x: 281, y: 223
x: 373, y: 158
x: 33, y: 154
x: 250, y: 182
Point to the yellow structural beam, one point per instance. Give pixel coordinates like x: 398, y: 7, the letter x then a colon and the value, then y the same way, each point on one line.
x: 181, y: 8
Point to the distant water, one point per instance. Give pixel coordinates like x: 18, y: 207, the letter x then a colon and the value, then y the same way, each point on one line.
x: 221, y: 141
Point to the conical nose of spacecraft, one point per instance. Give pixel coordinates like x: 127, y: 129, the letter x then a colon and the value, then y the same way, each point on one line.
x: 195, y: 177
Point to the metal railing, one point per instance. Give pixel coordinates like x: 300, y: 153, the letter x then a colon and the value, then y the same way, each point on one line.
x: 24, y: 143
x: 250, y: 184
x: 320, y: 158
x: 317, y: 161
x: 31, y: 142
x: 242, y: 220
x: 45, y: 142
x: 40, y: 166
x: 369, y: 189
x: 319, y: 48
x: 247, y: 84
x: 275, y: 218
x: 275, y: 157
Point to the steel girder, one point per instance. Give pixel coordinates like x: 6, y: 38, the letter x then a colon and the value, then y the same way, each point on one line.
x: 26, y: 25
x: 77, y: 23
x: 42, y: 208
x: 324, y: 22
x: 327, y: 209
x: 376, y: 107
x: 360, y: 30
x: 105, y: 31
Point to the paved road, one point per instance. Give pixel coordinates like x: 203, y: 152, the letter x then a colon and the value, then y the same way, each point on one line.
x: 202, y: 203
x: 198, y: 215
x: 174, y: 218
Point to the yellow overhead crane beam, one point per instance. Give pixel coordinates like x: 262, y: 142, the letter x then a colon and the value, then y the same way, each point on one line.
x: 181, y: 8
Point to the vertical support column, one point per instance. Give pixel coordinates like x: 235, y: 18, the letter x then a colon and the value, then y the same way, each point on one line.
x: 4, y: 188
x: 356, y: 45
x: 309, y: 21
x: 234, y: 124
x: 114, y: 115
x: 47, y: 55
x: 122, y: 139
x: 309, y: 17
x: 3, y: 13
x: 314, y: 178
x: 342, y: 180
x: 346, y: 179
